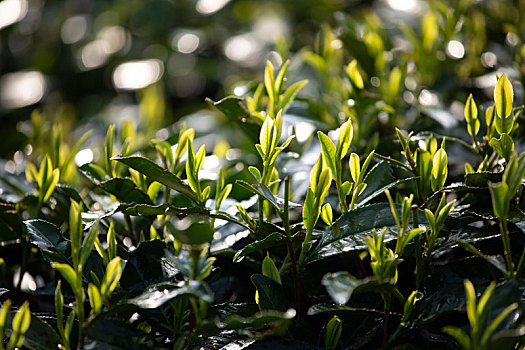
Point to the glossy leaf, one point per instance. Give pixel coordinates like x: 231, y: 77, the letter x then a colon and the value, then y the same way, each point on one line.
x: 276, y: 321
x: 157, y: 295
x: 379, y: 179
x: 349, y: 232
x: 156, y: 173
x: 280, y: 77
x: 340, y: 286
x: 266, y: 137
x: 263, y: 191
x: 482, y: 179
x: 125, y: 190
x: 59, y: 308
x: 273, y: 239
x: 48, y: 239
x: 233, y: 108
x: 193, y: 229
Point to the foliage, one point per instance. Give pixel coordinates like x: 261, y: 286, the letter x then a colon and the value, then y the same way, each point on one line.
x: 199, y: 235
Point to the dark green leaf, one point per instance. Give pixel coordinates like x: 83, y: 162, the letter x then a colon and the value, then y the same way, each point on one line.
x: 500, y: 265
x: 93, y: 172
x: 145, y: 210
x: 157, y: 295
x: 257, y: 321
x: 333, y: 308
x: 271, y: 293
x: 48, y: 239
x: 379, y: 179
x: 113, y: 334
x: 193, y: 229
x: 152, y: 210
x: 269, y: 241
x: 234, y: 110
x: 40, y: 335
x: 70, y: 192
x: 263, y: 191
x: 156, y: 173
x: 143, y: 267
x: 125, y: 190
x: 349, y: 231
x: 341, y: 285
x: 482, y: 179
x: 10, y: 223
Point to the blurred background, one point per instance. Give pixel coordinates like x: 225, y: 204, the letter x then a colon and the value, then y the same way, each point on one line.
x: 89, y: 63
x: 87, y: 60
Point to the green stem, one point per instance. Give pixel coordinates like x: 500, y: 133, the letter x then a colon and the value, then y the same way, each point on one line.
x: 506, y: 245
x: 308, y: 236
x: 305, y: 247
x: 196, y: 312
x: 393, y: 161
x: 521, y: 264
x: 386, y: 313
x: 354, y: 196
x: 130, y: 227
x: 166, y: 195
x: 342, y: 196
x: 476, y: 144
x: 261, y: 214
x: 286, y: 223
x: 286, y: 264
x: 80, y: 316
x: 417, y: 253
x: 385, y: 329
x: 264, y: 181
x: 398, y: 295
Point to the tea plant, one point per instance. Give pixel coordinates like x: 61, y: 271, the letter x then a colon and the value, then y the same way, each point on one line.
x: 272, y: 236
x: 481, y: 331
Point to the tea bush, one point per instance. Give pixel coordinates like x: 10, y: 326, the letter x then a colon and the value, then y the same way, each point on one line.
x: 338, y: 211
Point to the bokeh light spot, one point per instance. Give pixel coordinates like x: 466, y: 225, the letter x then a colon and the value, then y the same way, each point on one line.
x: 22, y: 89
x: 135, y: 75
x: 12, y: 11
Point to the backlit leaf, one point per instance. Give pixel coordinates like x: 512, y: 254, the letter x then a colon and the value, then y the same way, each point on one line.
x: 503, y: 96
